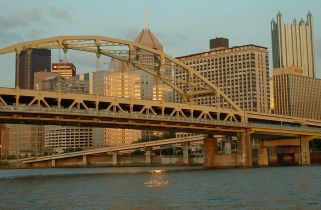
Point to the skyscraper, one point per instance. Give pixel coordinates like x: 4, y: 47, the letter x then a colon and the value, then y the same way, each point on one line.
x: 241, y: 72
x: 28, y: 62
x: 296, y: 95
x: 293, y: 44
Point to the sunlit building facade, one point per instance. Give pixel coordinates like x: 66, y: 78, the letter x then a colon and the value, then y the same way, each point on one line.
x: 241, y: 72
x: 125, y: 83
x: 295, y: 94
x: 25, y: 140
x: 65, y: 69
x: 293, y: 44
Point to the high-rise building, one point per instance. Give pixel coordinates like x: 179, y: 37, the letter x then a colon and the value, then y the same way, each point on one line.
x: 293, y: 44
x: 148, y: 82
x: 152, y: 88
x: 121, y: 82
x: 65, y: 69
x: 96, y: 82
x: 241, y: 72
x: 28, y: 62
x: 295, y: 94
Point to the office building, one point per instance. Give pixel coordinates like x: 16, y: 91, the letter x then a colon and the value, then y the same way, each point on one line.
x: 296, y: 94
x: 125, y: 83
x: 241, y: 72
x: 28, y: 62
x: 148, y: 82
x: 59, y: 139
x: 4, y: 141
x: 65, y: 69
x: 25, y: 140
x: 293, y: 44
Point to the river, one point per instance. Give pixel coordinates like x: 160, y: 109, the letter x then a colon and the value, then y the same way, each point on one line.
x: 161, y: 188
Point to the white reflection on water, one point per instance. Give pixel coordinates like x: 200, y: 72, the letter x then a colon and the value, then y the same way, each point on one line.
x: 158, y: 178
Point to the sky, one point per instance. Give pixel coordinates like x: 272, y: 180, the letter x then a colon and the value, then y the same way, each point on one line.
x: 182, y: 26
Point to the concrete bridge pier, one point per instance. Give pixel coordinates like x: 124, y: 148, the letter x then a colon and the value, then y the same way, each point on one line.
x: 210, y: 151
x: 84, y: 160
x: 148, y: 153
x: 53, y: 163
x: 305, y: 150
x: 244, y: 149
x: 263, y: 158
x: 115, y: 158
x: 185, y: 152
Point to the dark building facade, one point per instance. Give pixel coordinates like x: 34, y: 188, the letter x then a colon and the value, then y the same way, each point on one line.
x: 28, y: 62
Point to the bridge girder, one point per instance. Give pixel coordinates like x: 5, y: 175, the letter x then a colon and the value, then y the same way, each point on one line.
x: 154, y: 62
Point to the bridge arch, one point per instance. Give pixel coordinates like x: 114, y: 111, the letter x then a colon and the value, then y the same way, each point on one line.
x: 154, y: 62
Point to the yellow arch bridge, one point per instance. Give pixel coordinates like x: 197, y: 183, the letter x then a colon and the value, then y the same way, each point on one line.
x: 223, y: 117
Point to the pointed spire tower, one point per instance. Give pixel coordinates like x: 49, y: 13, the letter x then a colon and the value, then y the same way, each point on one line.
x: 148, y: 39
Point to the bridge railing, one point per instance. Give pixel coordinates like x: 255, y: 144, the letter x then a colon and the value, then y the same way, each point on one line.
x: 150, y: 117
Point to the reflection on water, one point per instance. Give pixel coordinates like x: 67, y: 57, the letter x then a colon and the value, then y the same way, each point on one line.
x: 161, y: 188
x: 158, y: 178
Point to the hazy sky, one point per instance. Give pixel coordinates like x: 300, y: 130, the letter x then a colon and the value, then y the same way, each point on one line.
x: 182, y: 26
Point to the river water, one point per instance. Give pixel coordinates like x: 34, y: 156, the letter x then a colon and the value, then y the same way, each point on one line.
x: 161, y: 188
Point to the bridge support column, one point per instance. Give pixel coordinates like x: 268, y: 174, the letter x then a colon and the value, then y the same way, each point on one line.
x: 244, y: 149
x: 84, y: 160
x: 305, y: 149
x: 185, y: 152
x: 148, y: 153
x: 262, y: 155
x: 53, y: 163
x: 210, y: 151
x: 115, y: 158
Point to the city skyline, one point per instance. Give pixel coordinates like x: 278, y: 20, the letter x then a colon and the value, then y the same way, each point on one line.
x: 183, y: 28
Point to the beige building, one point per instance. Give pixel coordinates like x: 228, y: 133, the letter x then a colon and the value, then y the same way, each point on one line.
x: 40, y: 77
x: 293, y: 44
x: 122, y: 82
x: 25, y: 140
x: 67, y: 138
x: 295, y: 94
x: 4, y: 141
x: 119, y: 81
x: 241, y: 72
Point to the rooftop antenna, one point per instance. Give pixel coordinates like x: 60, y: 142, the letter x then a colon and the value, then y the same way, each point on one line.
x: 146, y: 19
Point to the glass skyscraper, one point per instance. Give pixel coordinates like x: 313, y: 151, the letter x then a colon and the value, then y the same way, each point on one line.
x: 293, y: 44
x: 28, y: 62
